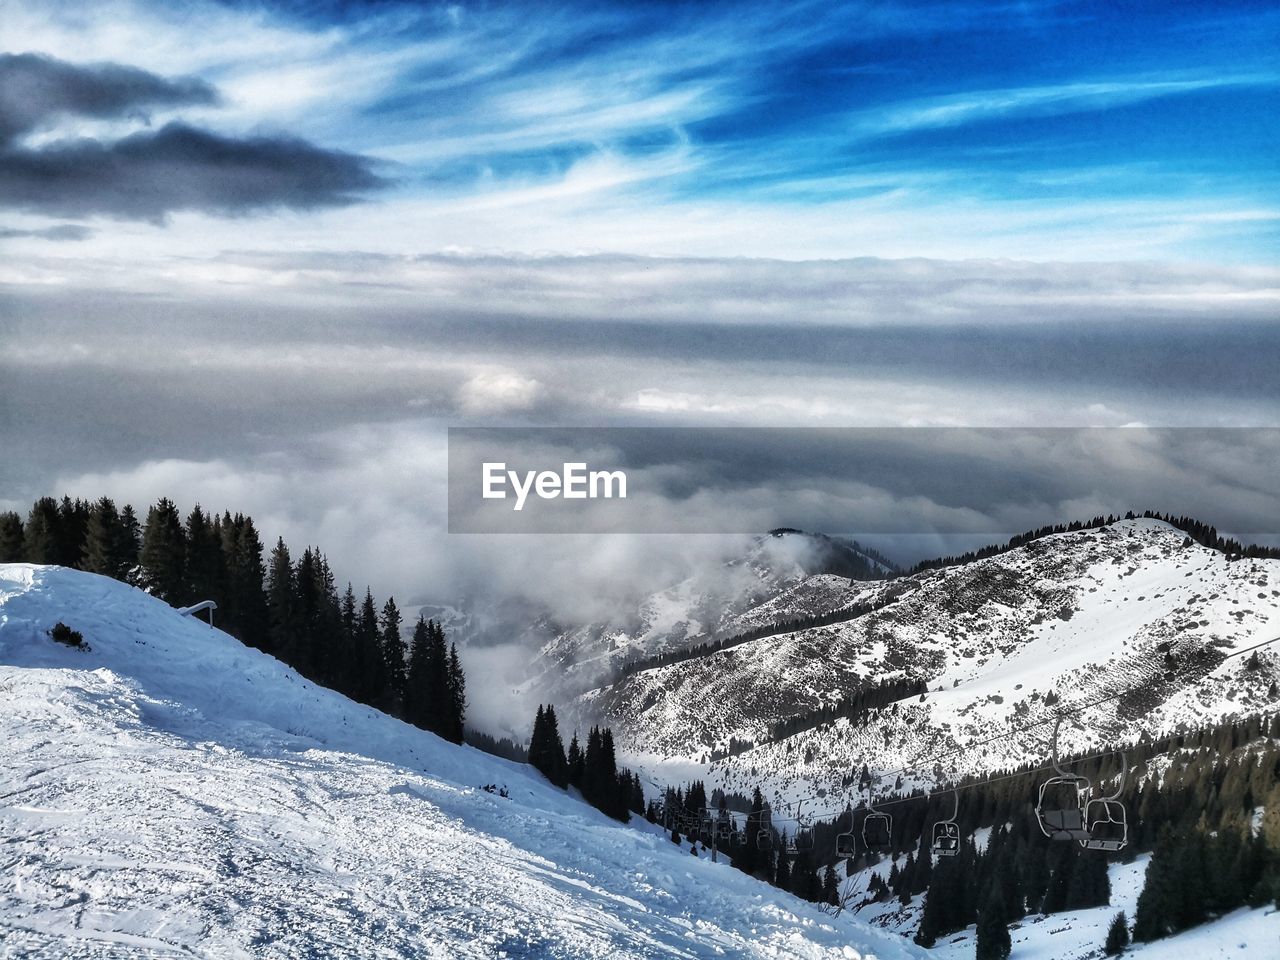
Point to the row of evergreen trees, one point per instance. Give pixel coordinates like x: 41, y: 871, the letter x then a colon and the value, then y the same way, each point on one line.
x: 593, y: 770
x: 289, y: 609
x: 684, y: 811
x: 1198, y: 818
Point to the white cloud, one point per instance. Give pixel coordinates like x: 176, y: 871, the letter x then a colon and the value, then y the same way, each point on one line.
x: 973, y: 106
x: 498, y: 391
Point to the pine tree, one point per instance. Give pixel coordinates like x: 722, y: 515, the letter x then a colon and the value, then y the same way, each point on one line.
x: 576, y: 762
x: 248, y: 614
x: 393, y: 652
x: 104, y: 549
x: 11, y: 538
x: 1062, y: 863
x: 538, y: 749
x: 637, y: 795
x: 73, y: 518
x: 456, y: 685
x: 164, y: 553
x: 1168, y: 900
x: 830, y: 886
x: 903, y: 889
x: 326, y: 646
x: 546, y: 749
x: 40, y: 536
x: 305, y: 657
x: 1117, y: 936
x: 751, y: 858
x: 592, y: 787
x: 612, y: 801
x: 922, y: 875
x: 131, y: 542
x: 206, y: 563
x: 1089, y: 885
x: 439, y: 699
x: 993, y: 941
x: 370, y: 668
x: 282, y: 604
x: 417, y: 708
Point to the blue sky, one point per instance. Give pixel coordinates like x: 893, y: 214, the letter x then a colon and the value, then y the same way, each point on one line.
x: 261, y: 255
x: 806, y: 130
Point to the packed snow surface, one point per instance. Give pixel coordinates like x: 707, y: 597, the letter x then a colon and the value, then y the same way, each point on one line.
x: 172, y: 793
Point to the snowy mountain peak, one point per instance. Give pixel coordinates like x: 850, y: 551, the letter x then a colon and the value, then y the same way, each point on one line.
x: 1134, y: 608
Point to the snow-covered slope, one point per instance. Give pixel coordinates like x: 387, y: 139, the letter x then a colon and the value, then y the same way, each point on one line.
x: 1134, y: 606
x: 172, y: 793
x: 1079, y: 934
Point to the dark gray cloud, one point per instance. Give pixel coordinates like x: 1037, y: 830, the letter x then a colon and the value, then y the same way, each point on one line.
x: 59, y: 232
x: 36, y: 90
x: 150, y: 174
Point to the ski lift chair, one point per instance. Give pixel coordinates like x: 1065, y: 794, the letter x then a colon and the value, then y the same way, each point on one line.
x: 803, y: 838
x: 706, y: 825
x: 764, y: 839
x: 724, y: 829
x: 1060, y: 806
x: 946, y: 833
x: 1104, y: 818
x: 846, y: 846
x: 877, y: 828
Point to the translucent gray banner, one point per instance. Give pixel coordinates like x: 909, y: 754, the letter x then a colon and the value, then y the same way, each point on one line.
x: 890, y: 481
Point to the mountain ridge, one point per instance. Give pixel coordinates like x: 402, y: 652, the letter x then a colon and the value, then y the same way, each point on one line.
x: 1138, y: 598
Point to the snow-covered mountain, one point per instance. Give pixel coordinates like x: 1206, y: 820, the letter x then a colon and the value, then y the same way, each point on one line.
x: 784, y: 574
x: 172, y: 793
x: 1135, y: 609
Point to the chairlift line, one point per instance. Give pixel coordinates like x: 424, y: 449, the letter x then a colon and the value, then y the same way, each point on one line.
x: 1065, y: 807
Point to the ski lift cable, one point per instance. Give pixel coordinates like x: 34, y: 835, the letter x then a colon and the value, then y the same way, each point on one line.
x: 920, y: 762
